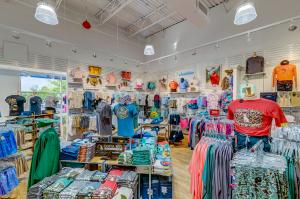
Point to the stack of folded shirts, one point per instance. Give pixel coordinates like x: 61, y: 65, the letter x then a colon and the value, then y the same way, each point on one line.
x: 125, y: 158
x: 86, y: 152
x: 73, y: 173
x: 87, y: 190
x: 36, y: 191
x: 141, y: 156
x: 53, y: 190
x: 106, y: 191
x: 124, y: 193
x: 86, y: 175
x: 98, y: 176
x: 128, y: 179
x: 162, y: 167
x: 162, y: 164
x: 114, y: 175
x: 69, y: 153
x: 72, y: 190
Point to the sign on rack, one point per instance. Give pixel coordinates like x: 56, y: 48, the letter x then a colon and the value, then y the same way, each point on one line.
x: 109, y: 149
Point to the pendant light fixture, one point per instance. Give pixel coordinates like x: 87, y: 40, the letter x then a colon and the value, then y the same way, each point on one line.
x: 245, y: 13
x: 45, y: 13
x: 149, y: 50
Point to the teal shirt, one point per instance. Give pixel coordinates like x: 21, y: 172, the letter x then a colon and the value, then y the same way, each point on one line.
x: 208, y: 172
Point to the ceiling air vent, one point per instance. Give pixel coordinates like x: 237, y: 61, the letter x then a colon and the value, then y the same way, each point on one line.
x: 201, y: 7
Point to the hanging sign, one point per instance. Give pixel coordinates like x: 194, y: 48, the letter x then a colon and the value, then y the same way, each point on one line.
x: 214, y: 112
x: 185, y: 73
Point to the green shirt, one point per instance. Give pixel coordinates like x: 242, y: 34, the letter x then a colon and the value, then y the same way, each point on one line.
x: 45, y: 158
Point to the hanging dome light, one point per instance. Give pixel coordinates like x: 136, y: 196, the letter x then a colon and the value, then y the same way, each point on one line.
x: 45, y: 13
x: 149, y: 50
x: 245, y: 13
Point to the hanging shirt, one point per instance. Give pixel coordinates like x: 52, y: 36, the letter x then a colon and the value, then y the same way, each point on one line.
x: 76, y: 73
x: 214, y: 78
x: 255, y: 65
x: 88, y: 100
x: 104, y: 118
x: 125, y: 114
x: 111, y: 79
x: 254, y: 117
x: 35, y: 105
x: 51, y: 101
x: 16, y: 104
x: 213, y: 101
x: 285, y: 72
x: 75, y: 99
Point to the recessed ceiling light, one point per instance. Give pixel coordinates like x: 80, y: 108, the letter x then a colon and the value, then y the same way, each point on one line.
x: 245, y: 13
x: 45, y: 13
x: 149, y: 50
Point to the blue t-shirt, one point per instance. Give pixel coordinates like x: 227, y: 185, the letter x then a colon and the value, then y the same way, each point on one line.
x: 35, y: 105
x: 125, y: 115
x: 88, y: 100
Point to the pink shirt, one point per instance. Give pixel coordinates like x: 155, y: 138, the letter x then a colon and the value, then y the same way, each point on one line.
x: 196, y: 168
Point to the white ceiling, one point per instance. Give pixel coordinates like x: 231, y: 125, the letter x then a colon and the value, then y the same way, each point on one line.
x: 129, y: 25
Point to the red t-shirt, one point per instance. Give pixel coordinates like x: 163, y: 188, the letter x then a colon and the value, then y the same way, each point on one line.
x: 254, y: 117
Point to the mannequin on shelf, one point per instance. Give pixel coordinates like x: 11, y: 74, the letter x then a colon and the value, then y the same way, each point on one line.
x: 255, y: 64
x: 16, y: 104
x: 125, y: 112
x: 253, y: 117
x: 285, y: 76
x: 35, y: 104
x: 183, y: 85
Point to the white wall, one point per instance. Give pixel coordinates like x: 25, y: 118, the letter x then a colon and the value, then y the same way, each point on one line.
x: 10, y: 85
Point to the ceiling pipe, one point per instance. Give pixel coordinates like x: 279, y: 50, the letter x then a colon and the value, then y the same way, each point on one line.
x: 223, y: 39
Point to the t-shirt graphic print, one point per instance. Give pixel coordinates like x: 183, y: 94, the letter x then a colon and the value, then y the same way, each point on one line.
x: 125, y: 114
x: 248, y: 117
